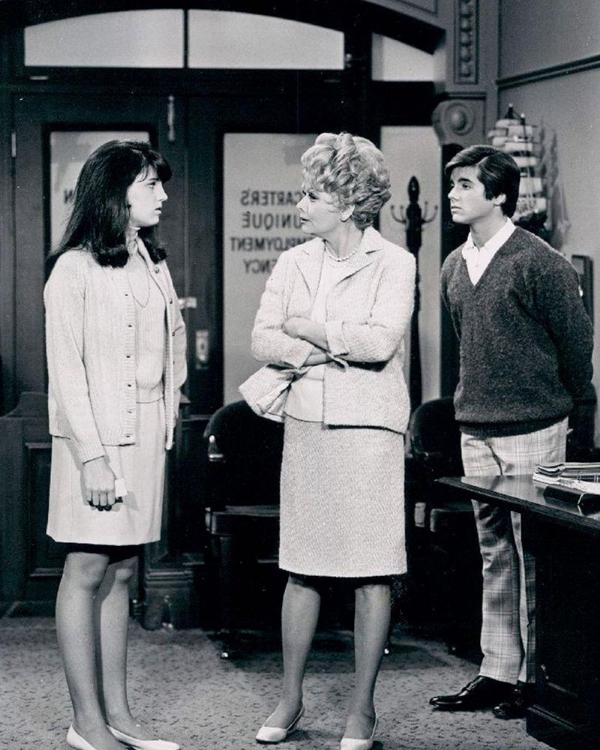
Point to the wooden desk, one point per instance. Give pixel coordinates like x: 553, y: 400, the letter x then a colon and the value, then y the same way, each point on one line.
x: 566, y: 545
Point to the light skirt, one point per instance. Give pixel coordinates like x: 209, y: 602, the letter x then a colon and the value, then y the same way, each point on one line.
x: 342, y: 501
x: 137, y: 520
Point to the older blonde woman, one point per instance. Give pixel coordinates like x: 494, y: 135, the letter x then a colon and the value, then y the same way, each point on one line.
x: 334, y: 313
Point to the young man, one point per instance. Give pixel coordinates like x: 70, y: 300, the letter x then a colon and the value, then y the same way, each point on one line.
x: 525, y: 353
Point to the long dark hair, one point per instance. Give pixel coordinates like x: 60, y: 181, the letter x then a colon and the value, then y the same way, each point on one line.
x: 100, y: 216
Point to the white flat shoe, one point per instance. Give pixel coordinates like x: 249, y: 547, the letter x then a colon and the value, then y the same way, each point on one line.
x: 349, y: 743
x: 141, y: 744
x: 76, y: 741
x: 272, y: 735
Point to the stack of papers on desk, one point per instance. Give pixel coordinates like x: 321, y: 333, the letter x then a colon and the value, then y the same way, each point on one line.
x: 582, y: 477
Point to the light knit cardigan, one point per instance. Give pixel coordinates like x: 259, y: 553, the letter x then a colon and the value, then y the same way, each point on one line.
x: 90, y: 345
x: 368, y: 312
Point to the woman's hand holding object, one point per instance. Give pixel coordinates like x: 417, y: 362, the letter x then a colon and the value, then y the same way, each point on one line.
x: 99, y: 483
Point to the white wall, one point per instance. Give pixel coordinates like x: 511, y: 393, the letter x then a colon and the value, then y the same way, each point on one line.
x: 394, y: 61
x: 542, y: 33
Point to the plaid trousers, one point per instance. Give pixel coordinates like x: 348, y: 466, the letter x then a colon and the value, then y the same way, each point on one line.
x: 508, y: 607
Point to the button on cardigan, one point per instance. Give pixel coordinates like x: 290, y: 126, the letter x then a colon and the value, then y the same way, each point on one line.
x: 90, y: 343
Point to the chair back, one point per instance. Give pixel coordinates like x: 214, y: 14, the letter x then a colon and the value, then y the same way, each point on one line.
x: 243, y: 453
x: 434, y: 439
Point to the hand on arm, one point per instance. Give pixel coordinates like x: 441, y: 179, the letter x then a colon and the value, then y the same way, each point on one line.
x: 99, y: 483
x: 317, y: 357
x: 270, y: 341
x: 309, y: 330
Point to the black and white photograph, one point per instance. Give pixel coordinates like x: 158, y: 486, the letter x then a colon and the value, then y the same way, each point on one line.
x: 299, y: 431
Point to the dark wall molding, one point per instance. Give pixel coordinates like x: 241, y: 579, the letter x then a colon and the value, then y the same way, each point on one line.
x: 466, y: 64
x: 544, y: 74
x: 459, y: 121
x: 434, y: 10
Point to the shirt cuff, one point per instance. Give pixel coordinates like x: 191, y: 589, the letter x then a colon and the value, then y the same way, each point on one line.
x: 298, y: 352
x: 89, y: 451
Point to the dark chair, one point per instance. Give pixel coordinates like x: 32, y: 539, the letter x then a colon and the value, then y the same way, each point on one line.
x: 243, y: 455
x: 582, y: 427
x: 443, y: 551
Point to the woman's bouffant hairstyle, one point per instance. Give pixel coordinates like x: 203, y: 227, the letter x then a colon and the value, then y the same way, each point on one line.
x: 100, y: 216
x: 496, y: 170
x: 351, y: 170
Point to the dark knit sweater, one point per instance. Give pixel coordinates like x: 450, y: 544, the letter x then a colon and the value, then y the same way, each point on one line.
x: 525, y: 338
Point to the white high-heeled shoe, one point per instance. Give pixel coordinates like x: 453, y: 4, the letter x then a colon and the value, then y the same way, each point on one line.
x: 138, y: 744
x: 272, y: 735
x: 76, y: 741
x: 349, y: 743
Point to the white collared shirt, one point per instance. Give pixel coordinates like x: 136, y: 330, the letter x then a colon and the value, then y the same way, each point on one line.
x: 479, y: 258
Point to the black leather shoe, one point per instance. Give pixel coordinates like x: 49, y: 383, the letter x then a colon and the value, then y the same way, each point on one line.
x: 482, y: 692
x: 517, y: 703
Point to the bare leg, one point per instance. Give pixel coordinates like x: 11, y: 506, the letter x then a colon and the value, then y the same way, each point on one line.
x: 112, y: 625
x: 82, y: 576
x: 299, y: 616
x: 371, y: 626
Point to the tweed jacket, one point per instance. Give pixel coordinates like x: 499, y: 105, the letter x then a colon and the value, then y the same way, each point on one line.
x: 368, y: 311
x: 90, y: 345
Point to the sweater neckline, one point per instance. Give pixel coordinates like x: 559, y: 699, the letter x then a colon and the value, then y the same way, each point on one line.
x: 500, y: 252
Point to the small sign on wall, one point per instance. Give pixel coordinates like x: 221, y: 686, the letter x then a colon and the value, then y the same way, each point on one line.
x: 261, y: 186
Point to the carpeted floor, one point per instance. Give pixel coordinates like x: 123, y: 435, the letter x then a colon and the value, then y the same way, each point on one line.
x: 179, y: 684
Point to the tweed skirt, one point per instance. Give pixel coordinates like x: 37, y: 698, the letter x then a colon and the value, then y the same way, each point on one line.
x: 137, y: 520
x: 342, y: 501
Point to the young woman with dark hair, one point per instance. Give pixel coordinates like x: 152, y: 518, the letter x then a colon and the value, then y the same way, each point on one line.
x: 101, y: 210
x: 115, y: 344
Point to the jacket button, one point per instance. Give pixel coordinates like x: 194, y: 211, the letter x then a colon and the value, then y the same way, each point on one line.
x: 127, y: 436
x: 156, y: 269
x: 129, y: 325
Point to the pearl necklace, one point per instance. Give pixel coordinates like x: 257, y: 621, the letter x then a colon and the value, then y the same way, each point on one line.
x: 341, y: 258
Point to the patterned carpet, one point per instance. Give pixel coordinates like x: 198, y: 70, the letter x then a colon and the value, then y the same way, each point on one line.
x: 179, y: 685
